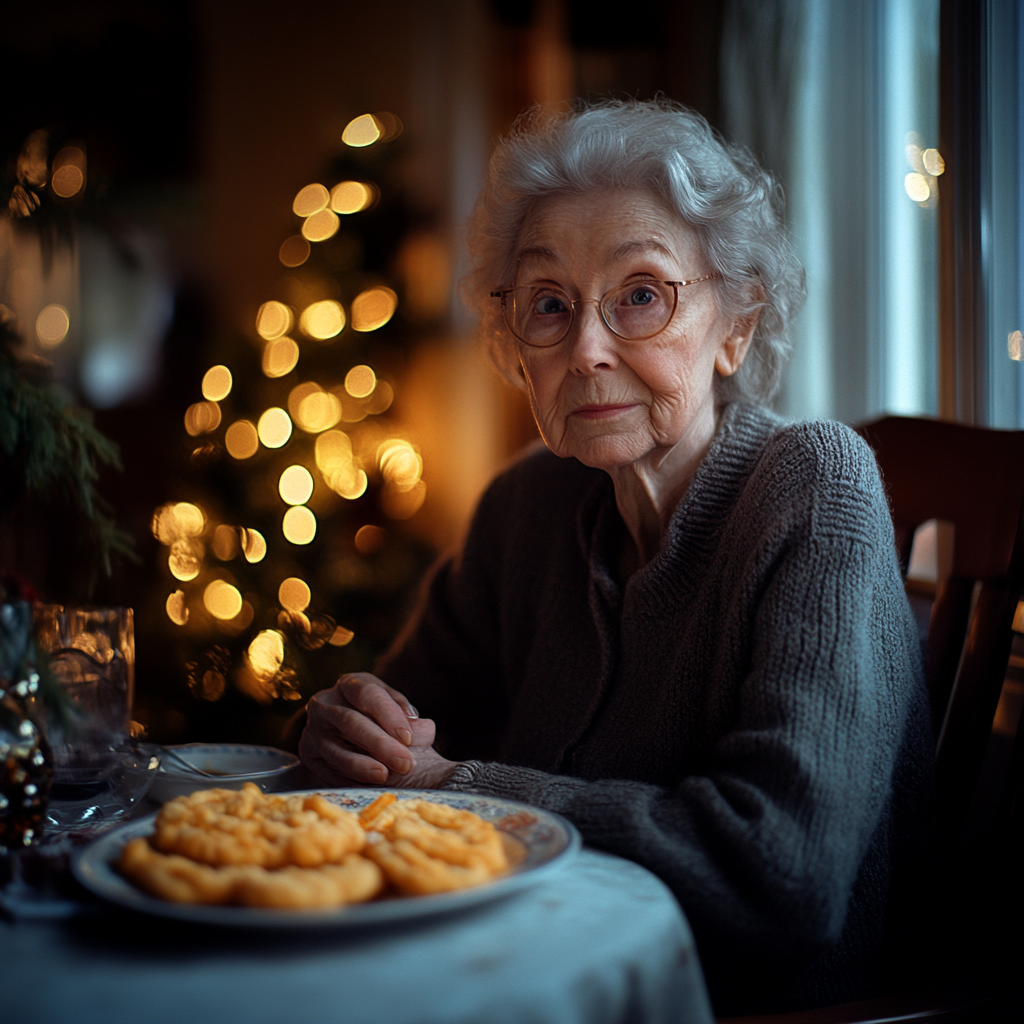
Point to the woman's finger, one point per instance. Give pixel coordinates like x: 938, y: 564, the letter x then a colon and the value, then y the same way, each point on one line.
x: 402, y: 701
x: 424, y: 732
x: 362, y: 733
x: 368, y: 694
x: 337, y: 763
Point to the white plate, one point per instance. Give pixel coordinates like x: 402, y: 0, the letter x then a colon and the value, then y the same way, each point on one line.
x: 547, y: 841
x: 232, y: 765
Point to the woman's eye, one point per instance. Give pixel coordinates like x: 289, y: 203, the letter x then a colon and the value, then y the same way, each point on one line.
x: 640, y: 296
x: 549, y: 304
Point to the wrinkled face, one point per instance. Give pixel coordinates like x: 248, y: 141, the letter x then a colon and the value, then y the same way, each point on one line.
x: 605, y: 400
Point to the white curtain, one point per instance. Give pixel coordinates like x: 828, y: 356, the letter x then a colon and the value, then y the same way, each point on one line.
x: 839, y: 98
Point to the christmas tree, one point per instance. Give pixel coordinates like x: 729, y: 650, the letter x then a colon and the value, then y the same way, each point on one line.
x: 285, y: 562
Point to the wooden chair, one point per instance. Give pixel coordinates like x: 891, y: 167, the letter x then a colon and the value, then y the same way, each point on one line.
x: 973, y: 478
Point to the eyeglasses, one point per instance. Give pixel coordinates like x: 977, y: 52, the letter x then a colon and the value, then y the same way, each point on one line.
x: 542, y: 315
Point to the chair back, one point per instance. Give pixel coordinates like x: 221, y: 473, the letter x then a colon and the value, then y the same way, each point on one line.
x: 974, y: 478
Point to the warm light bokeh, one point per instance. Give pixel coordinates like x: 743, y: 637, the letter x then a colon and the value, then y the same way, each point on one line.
x: 180, y: 519
x: 336, y: 462
x: 361, y: 131
x: 274, y: 428
x: 52, y: 325
x: 323, y: 320
x: 311, y: 199
x: 400, y: 464
x: 294, y: 594
x: 360, y: 381
x: 295, y: 485
x: 177, y: 609
x: 225, y: 542
x: 67, y: 177
x: 318, y: 411
x: 266, y: 654
x: 189, y: 519
x: 351, y: 197
x: 184, y: 560
x: 217, y: 383
x: 241, y: 440
x: 369, y: 539
x: 202, y: 417
x: 294, y: 251
x: 222, y: 600
x: 67, y: 181
x: 381, y: 399
x: 321, y: 226
x: 254, y: 545
x: 373, y: 308
x: 280, y: 357
x: 299, y: 525
x: 298, y: 395
x: 273, y: 319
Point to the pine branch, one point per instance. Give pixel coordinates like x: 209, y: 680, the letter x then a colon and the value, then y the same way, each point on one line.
x: 51, y: 446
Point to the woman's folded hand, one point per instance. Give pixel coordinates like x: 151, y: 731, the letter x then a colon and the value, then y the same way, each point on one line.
x: 364, y: 732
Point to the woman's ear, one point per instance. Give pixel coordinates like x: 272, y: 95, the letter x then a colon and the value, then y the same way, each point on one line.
x: 733, y: 348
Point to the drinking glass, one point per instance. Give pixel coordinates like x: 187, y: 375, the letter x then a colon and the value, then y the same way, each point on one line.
x: 98, y: 775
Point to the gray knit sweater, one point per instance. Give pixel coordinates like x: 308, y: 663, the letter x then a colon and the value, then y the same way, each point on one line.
x: 747, y: 717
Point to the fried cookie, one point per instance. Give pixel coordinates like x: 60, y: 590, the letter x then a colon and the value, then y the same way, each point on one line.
x: 221, y: 828
x: 425, y: 847
x: 180, y: 880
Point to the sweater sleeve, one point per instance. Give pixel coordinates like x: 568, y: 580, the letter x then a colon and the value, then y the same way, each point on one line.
x: 763, y: 846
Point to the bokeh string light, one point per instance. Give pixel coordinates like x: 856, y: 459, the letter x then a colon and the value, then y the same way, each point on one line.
x: 323, y: 320
x: 299, y: 525
x: 273, y: 319
x: 242, y: 440
x: 52, y: 325
x: 373, y: 308
x: 362, y: 131
x: 286, y: 467
x: 274, y: 428
x: 280, y: 357
x: 217, y: 383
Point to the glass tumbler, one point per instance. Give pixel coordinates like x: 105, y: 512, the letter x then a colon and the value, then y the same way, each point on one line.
x: 97, y: 774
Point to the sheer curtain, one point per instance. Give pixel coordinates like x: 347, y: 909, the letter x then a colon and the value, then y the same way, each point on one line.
x: 840, y: 101
x: 1003, y: 213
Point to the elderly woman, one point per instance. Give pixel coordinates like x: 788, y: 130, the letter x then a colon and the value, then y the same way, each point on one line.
x: 681, y: 624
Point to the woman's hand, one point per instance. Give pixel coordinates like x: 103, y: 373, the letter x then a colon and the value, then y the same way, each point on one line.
x: 364, y: 732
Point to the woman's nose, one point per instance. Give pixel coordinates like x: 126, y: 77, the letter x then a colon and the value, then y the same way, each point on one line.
x: 593, y: 347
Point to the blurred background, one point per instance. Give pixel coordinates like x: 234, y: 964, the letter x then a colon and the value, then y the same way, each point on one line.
x: 234, y: 230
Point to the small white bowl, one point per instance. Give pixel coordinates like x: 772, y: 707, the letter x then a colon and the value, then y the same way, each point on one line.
x: 231, y: 764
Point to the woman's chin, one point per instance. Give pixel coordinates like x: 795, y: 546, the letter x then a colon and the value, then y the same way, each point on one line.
x: 608, y: 452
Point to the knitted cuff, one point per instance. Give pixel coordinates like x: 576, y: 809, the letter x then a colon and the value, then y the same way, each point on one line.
x: 462, y: 778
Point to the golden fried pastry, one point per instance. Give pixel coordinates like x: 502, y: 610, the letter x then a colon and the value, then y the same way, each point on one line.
x: 181, y: 880
x: 246, y: 848
x: 222, y: 827
x: 425, y: 847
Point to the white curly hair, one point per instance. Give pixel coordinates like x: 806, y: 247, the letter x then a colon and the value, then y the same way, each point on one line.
x: 733, y: 206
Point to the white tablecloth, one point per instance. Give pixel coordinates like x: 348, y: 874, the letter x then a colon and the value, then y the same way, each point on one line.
x: 601, y: 941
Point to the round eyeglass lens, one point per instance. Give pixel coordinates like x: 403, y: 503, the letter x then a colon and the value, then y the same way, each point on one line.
x: 539, y: 316
x: 640, y: 309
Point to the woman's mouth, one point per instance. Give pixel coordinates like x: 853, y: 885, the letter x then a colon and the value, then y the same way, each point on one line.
x: 600, y: 412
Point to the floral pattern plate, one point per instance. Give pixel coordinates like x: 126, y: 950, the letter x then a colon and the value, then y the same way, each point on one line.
x: 539, y: 843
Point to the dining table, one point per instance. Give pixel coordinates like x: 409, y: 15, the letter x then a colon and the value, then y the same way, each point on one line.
x: 600, y: 939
